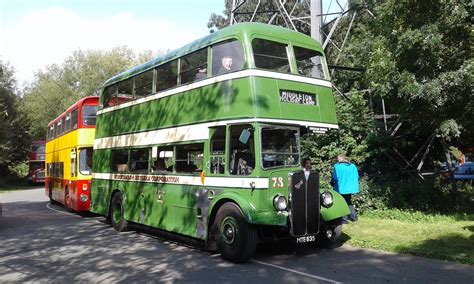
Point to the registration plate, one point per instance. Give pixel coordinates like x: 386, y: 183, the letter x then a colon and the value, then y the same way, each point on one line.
x: 305, y: 239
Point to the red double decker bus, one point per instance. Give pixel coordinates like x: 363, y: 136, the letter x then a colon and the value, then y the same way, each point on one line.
x: 36, y: 159
x: 70, y: 138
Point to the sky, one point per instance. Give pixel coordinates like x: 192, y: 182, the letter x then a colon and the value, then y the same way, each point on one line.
x: 37, y: 33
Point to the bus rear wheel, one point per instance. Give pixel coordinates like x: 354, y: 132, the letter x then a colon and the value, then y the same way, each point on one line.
x: 236, y: 239
x: 117, y: 213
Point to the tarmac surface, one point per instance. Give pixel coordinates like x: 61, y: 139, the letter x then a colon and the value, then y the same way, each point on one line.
x: 41, y: 242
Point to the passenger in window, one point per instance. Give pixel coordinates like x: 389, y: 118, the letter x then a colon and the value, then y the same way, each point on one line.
x: 226, y: 66
x: 159, y: 165
x: 201, y: 74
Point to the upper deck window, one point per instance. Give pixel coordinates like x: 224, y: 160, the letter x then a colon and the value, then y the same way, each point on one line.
x: 309, y: 62
x: 74, y: 119
x: 193, y: 67
x: 109, y: 96
x: 89, y: 115
x: 227, y: 56
x: 167, y: 76
x: 125, y: 89
x: 143, y: 84
x: 270, y: 55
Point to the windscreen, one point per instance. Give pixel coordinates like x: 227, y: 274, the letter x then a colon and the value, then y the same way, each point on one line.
x: 270, y: 55
x: 280, y: 147
x: 89, y: 115
x: 309, y: 62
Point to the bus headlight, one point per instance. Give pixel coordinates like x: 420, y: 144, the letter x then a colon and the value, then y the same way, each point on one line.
x: 326, y: 199
x: 279, y: 202
x: 83, y: 197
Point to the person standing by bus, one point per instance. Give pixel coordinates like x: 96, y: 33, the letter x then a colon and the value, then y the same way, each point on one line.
x: 307, y: 167
x: 345, y: 180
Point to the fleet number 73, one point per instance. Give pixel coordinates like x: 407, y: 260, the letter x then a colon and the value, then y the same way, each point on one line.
x: 277, y: 182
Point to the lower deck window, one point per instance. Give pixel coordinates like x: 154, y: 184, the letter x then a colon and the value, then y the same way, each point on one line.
x: 189, y: 158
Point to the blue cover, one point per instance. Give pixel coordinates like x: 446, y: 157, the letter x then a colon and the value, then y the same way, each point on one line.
x: 345, y: 178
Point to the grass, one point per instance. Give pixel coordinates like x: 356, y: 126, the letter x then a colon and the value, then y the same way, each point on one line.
x: 428, y: 235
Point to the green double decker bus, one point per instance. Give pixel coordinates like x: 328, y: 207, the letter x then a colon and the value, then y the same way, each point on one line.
x: 204, y: 142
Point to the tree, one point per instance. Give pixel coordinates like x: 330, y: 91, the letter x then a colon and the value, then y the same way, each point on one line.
x: 82, y: 74
x: 417, y: 57
x: 14, y: 140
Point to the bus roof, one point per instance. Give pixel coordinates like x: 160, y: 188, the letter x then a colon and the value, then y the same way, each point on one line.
x: 75, y: 105
x: 241, y: 29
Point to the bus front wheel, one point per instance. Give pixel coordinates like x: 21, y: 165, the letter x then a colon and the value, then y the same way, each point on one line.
x: 236, y: 239
x: 328, y: 240
x: 117, y: 213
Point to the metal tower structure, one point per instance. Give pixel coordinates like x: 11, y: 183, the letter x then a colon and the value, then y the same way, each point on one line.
x: 306, y: 16
x: 320, y: 19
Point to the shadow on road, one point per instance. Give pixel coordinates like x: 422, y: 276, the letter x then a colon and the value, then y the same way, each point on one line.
x: 37, y: 245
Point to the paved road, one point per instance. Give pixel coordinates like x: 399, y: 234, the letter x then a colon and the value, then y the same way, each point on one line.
x: 41, y: 243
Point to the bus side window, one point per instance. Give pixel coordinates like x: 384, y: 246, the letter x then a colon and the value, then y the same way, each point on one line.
x: 242, y: 156
x: 138, y: 162
x: 193, y: 67
x: 125, y: 89
x: 217, y: 151
x: 109, y: 96
x: 162, y: 159
x: 61, y: 169
x: 189, y: 158
x: 227, y: 50
x: 143, y: 84
x: 74, y: 119
x: 119, y: 161
x: 167, y: 76
x: 67, y: 123
x: 59, y: 128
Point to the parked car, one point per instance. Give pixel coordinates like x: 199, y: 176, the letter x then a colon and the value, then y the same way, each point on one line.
x: 464, y: 171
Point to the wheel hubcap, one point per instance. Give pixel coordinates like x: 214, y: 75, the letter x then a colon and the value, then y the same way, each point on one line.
x: 229, y: 230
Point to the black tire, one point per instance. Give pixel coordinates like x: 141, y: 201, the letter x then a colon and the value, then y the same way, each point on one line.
x: 323, y: 240
x: 117, y: 218
x: 236, y: 239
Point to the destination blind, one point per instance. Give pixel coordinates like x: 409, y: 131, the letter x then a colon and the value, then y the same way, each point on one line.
x: 297, y: 97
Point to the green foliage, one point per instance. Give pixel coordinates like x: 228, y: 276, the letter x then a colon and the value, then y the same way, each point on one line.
x: 20, y: 169
x: 14, y: 140
x: 435, y: 195
x: 352, y: 138
x: 82, y: 74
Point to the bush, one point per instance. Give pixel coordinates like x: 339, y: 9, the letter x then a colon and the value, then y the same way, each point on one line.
x: 433, y: 195
x: 19, y: 170
x: 371, y: 196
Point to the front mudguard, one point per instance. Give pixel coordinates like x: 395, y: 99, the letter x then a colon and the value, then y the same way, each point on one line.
x: 338, y: 209
x: 249, y: 210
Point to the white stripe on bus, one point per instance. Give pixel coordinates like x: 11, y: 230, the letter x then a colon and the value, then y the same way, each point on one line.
x: 221, y: 78
x: 237, y: 182
x: 188, y: 133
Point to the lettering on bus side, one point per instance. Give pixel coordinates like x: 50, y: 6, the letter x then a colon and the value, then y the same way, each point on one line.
x: 161, y: 179
x: 298, y: 97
